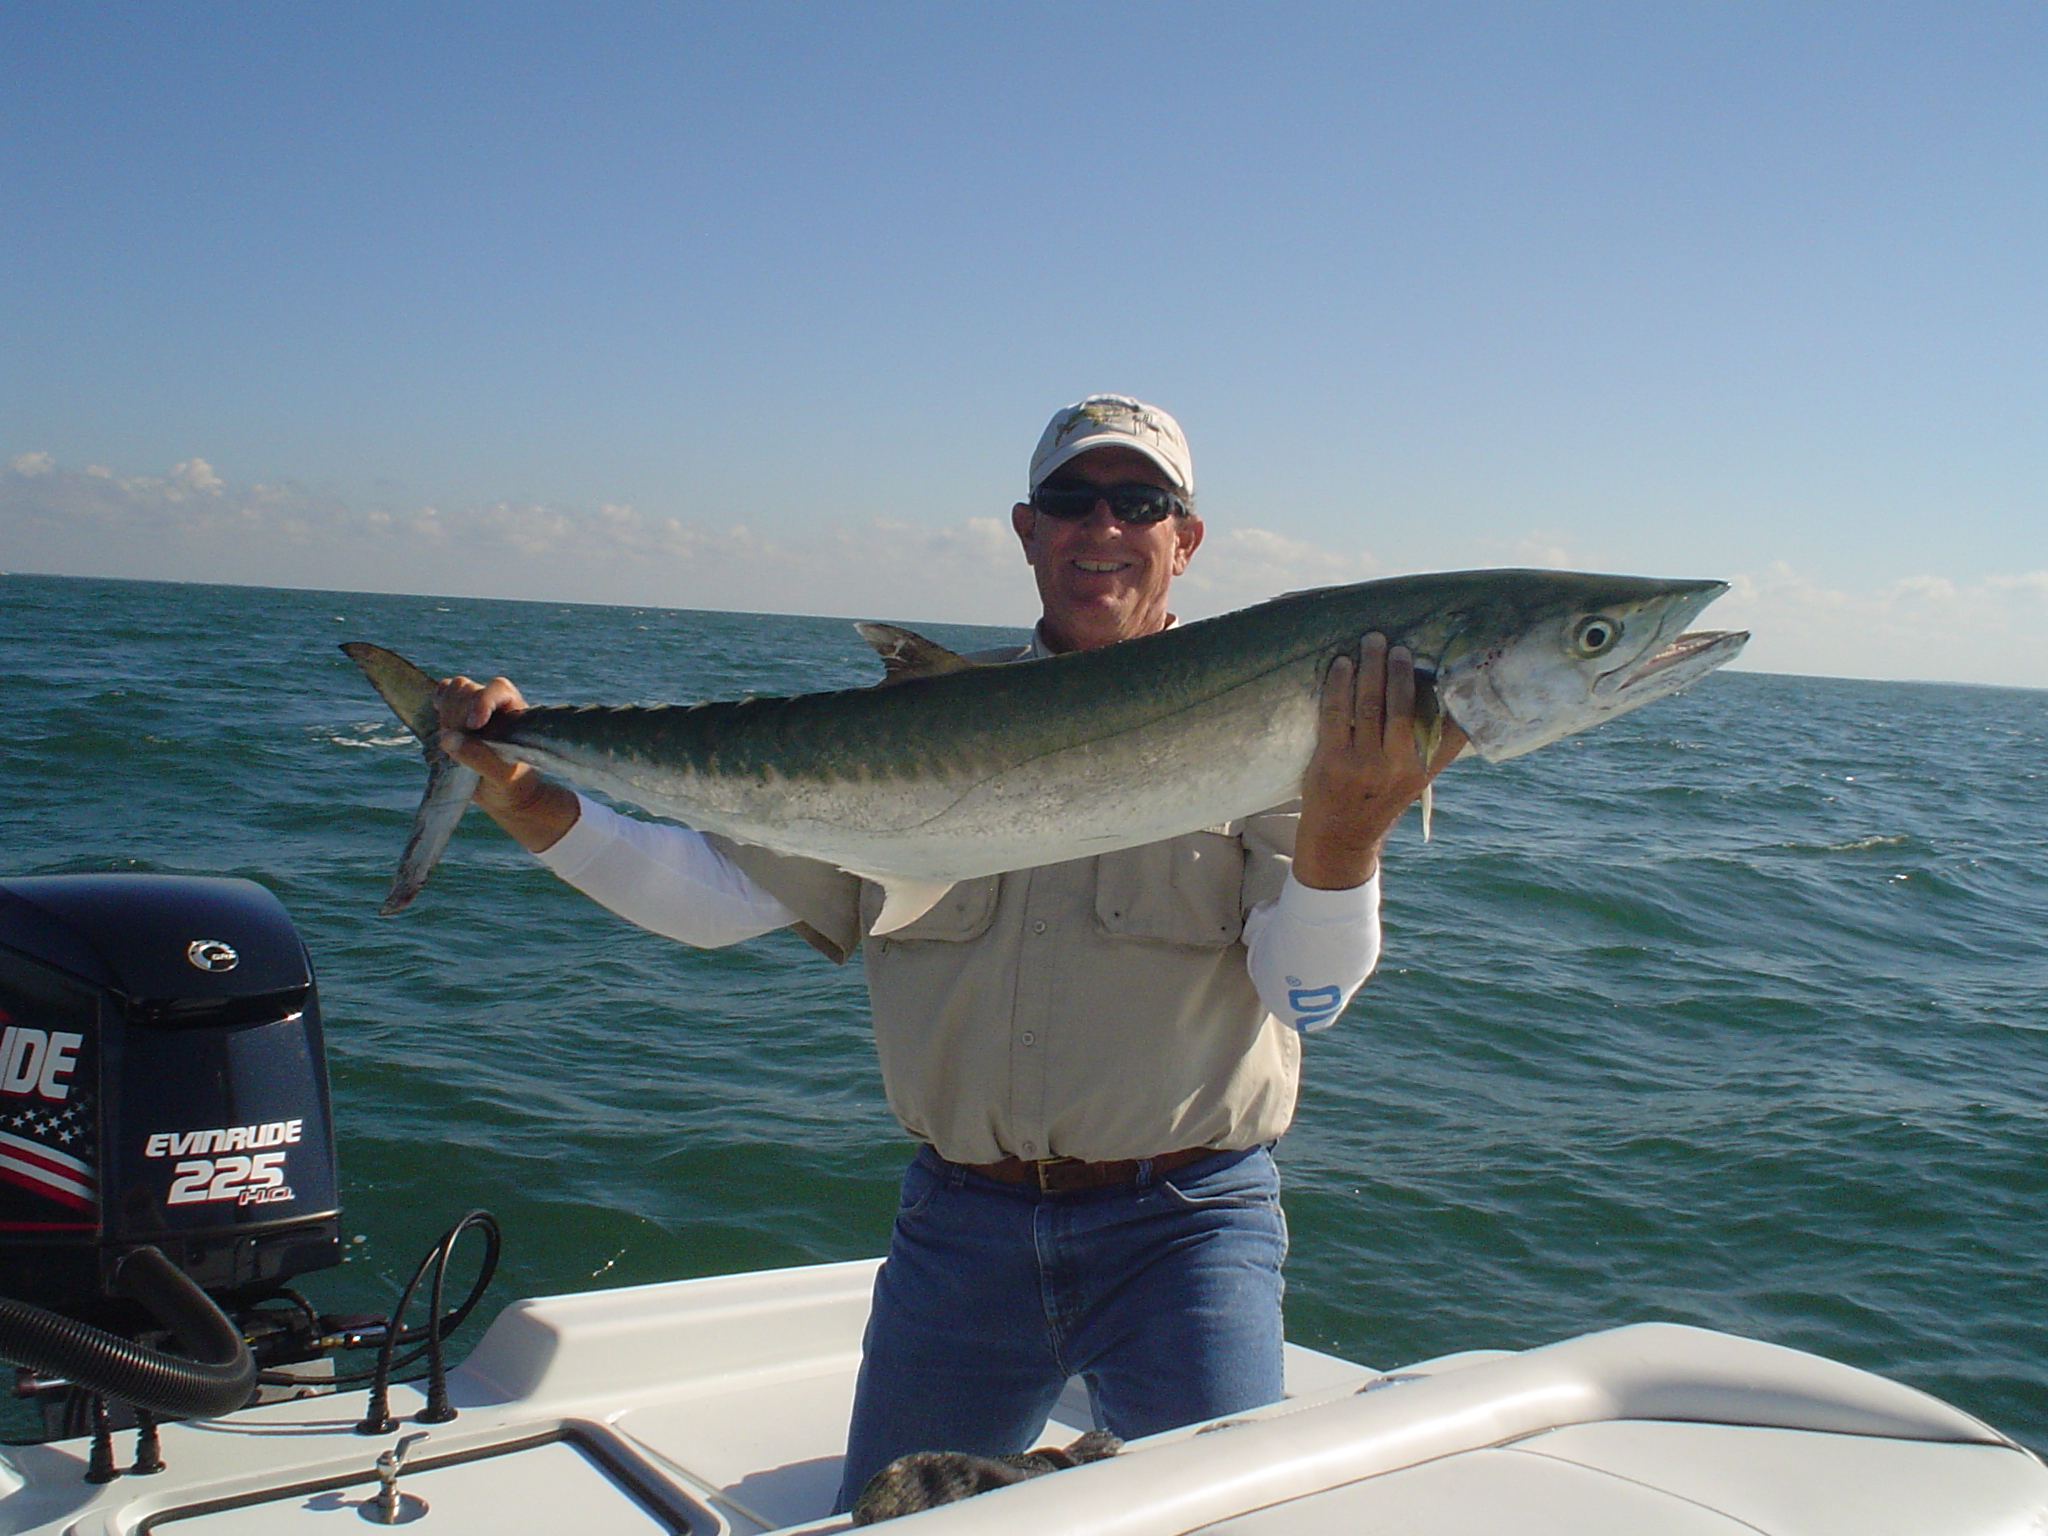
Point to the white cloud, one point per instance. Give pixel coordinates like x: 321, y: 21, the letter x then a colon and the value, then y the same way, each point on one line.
x: 1236, y: 566
x: 1544, y: 551
x: 1991, y: 630
x: 191, y: 524
x: 193, y: 477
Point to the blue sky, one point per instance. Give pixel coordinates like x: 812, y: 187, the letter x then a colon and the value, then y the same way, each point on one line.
x: 763, y: 306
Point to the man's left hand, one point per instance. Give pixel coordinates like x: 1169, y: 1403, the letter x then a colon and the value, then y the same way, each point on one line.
x: 1367, y: 768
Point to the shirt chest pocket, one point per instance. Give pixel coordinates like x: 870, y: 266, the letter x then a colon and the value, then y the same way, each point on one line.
x: 1188, y: 890
x: 963, y: 913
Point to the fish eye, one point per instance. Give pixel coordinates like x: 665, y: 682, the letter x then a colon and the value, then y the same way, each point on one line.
x: 1595, y: 635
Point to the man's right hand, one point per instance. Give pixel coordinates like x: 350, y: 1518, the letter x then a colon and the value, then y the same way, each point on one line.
x: 534, y: 810
x: 1365, y: 771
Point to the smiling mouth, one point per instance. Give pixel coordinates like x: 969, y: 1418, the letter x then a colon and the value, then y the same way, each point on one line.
x: 1101, y: 567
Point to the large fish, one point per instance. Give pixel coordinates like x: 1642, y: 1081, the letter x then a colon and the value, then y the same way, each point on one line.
x: 963, y: 770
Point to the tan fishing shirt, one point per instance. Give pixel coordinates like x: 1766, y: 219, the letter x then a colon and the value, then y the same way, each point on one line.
x: 1100, y: 1008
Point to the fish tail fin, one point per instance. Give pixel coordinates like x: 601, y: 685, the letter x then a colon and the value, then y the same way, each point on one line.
x: 408, y: 690
x: 450, y: 786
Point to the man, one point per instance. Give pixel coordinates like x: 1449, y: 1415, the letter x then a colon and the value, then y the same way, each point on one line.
x: 1094, y: 1057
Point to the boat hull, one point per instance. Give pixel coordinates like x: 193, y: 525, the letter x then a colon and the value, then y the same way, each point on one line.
x: 719, y: 1406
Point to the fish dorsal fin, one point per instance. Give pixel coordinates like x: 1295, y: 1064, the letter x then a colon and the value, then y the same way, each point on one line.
x: 905, y: 899
x: 906, y: 654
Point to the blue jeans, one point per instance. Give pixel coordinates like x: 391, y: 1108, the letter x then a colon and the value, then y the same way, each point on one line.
x: 1163, y: 1296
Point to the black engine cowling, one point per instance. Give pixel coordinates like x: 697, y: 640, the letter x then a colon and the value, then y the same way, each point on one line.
x: 162, y: 1082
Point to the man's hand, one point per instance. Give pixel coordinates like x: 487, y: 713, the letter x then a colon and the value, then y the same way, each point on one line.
x: 536, y: 812
x: 1366, y: 769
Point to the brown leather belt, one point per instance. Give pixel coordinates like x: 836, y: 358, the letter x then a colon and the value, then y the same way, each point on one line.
x: 1062, y: 1175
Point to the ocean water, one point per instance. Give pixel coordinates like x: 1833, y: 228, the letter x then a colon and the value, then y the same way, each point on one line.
x: 1733, y: 1012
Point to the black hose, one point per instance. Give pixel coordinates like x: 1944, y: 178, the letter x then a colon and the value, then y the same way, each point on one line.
x: 219, y: 1378
x: 484, y: 1222
x: 377, y: 1418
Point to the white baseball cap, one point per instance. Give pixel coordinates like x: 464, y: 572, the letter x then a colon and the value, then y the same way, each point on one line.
x: 1114, y: 421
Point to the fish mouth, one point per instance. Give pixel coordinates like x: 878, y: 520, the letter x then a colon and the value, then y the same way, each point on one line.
x: 1689, y: 656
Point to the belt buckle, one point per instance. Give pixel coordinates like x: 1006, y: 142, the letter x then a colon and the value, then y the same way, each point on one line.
x: 1046, y: 1174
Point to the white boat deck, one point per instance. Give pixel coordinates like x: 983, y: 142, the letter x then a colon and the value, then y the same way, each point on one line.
x: 718, y: 1407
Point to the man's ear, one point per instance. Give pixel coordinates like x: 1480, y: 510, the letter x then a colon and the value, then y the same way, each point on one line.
x: 1187, y: 539
x: 1024, y: 519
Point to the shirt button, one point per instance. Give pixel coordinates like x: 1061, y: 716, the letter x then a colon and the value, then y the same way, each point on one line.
x: 1029, y: 1038
x: 1031, y: 1149
x: 1039, y: 926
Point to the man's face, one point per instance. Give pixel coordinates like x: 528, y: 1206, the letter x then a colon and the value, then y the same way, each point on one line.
x: 1099, y: 580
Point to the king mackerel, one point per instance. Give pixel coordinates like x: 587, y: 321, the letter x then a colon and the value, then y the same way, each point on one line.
x: 963, y: 770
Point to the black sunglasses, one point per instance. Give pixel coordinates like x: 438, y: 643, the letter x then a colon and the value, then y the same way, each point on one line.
x: 1134, y: 503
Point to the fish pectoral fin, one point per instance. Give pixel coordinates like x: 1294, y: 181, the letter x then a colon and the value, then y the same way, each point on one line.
x: 905, y: 899
x: 906, y: 654
x: 1429, y: 735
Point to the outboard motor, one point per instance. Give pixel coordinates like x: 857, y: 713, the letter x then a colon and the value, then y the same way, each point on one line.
x: 163, y: 1086
x: 162, y: 1080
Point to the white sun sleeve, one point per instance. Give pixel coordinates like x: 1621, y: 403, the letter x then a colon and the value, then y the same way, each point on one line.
x: 1311, y: 950
x: 665, y: 878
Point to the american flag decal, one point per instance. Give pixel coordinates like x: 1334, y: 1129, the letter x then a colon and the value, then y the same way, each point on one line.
x: 66, y: 1179
x: 48, y: 1147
